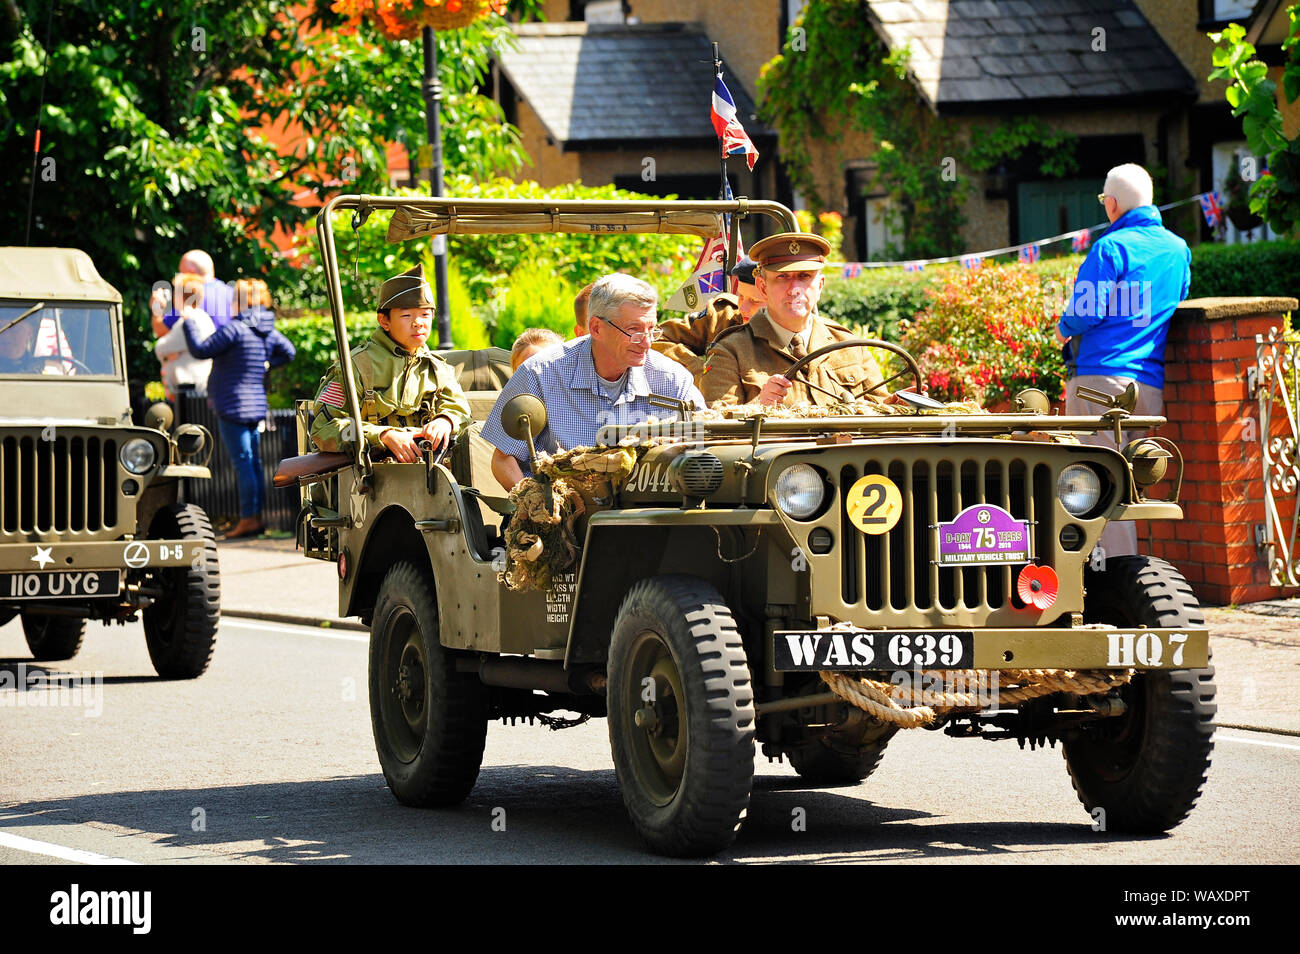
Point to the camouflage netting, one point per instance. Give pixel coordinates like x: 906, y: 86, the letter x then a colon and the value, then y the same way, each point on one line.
x: 542, y: 543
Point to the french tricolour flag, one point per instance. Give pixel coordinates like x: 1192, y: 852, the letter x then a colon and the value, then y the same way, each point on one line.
x: 734, y: 138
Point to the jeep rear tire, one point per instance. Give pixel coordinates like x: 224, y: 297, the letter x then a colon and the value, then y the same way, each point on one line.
x: 53, y: 638
x: 429, y: 721
x: 681, y: 715
x: 835, y: 760
x: 180, y: 628
x: 1144, y: 770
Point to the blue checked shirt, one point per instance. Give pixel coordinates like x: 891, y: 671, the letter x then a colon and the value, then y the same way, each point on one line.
x: 565, y: 378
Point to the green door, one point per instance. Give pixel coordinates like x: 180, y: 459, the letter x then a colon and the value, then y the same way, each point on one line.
x: 1056, y: 206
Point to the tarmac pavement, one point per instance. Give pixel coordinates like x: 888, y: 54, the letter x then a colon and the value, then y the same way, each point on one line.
x: 1256, y: 647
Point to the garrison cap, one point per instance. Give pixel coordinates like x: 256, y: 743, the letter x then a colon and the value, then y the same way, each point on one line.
x: 791, y: 252
x: 744, y: 269
x: 407, y: 290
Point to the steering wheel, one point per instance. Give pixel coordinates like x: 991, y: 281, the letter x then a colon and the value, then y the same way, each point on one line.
x: 911, y: 368
x: 76, y: 362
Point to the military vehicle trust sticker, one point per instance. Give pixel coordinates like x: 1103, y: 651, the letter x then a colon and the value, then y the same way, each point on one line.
x: 983, y: 533
x: 874, y: 504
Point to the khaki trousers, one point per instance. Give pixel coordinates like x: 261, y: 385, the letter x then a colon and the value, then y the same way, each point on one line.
x: 1120, y: 538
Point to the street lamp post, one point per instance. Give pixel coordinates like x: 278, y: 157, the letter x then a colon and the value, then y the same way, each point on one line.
x: 432, y: 90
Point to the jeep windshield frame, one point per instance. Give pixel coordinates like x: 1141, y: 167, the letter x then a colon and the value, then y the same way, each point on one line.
x: 99, y: 321
x: 424, y: 217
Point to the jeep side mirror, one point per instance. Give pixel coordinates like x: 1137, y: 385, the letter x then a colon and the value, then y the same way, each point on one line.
x: 523, y: 417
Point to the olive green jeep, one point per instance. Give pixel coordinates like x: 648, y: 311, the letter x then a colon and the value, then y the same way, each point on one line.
x: 803, y: 585
x: 92, y: 525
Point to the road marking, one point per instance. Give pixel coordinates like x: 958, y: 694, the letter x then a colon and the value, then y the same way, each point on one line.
x: 35, y: 847
x: 240, y: 623
x: 1272, y: 745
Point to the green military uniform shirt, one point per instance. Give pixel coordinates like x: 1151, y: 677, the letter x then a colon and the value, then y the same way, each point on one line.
x: 396, y: 389
x: 742, y: 359
x: 686, y: 340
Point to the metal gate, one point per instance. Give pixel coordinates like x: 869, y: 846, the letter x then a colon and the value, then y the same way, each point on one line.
x: 219, y: 496
x: 1278, y: 390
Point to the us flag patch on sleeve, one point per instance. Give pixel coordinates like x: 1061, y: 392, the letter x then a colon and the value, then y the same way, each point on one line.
x: 331, y: 394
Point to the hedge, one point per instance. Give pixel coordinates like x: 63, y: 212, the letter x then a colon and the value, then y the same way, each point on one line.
x: 1260, y: 268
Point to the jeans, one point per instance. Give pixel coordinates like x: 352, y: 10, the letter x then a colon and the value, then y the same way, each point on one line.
x: 244, y: 445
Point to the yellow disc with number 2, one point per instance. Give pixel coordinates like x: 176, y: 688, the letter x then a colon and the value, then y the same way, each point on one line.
x: 874, y: 504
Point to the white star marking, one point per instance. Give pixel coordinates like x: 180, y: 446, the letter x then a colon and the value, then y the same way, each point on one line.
x: 43, y: 556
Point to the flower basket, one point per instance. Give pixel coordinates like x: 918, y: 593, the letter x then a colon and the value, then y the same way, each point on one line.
x: 404, y: 19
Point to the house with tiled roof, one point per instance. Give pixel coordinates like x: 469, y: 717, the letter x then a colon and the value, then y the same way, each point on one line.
x: 1126, y: 78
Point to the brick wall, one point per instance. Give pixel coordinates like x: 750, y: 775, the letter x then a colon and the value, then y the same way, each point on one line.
x: 1214, y: 420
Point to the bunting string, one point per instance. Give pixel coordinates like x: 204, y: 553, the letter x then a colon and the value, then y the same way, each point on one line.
x: 1080, y: 239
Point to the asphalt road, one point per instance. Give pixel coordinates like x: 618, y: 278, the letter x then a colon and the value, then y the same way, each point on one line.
x: 268, y: 758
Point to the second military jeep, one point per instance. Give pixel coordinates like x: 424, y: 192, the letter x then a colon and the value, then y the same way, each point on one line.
x: 92, y: 525
x: 749, y: 566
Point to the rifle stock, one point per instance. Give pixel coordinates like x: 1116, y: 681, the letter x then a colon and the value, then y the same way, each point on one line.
x: 293, y: 470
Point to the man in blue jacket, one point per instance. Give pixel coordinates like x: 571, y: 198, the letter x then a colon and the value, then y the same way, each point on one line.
x: 1116, y: 322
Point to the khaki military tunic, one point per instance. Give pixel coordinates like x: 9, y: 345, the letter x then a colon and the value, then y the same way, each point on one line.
x: 686, y: 340
x: 741, y: 361
x: 396, y: 389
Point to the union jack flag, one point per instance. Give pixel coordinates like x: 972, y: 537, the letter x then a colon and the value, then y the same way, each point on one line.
x: 710, y: 283
x: 735, y: 140
x: 1030, y: 253
x: 1211, y: 208
x: 913, y: 266
x: 331, y: 394
x: 852, y: 269
x: 972, y: 261
x: 1081, y: 240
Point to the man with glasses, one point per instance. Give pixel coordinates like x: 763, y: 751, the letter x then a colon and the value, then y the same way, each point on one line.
x: 745, y: 364
x: 1115, y: 324
x: 604, y: 377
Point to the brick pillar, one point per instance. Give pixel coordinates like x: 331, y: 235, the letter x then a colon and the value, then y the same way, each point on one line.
x: 1214, y: 420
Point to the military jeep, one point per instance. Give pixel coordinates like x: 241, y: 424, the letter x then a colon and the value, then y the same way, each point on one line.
x: 92, y: 526
x: 748, y: 566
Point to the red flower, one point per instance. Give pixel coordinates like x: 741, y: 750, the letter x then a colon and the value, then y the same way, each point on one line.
x: 1037, y: 586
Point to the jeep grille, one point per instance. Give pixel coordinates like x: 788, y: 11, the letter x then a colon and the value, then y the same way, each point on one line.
x: 876, y: 570
x: 65, y: 484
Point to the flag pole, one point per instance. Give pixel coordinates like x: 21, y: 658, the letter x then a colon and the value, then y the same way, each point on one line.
x: 729, y: 247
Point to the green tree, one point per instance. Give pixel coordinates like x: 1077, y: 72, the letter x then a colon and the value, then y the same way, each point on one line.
x: 1275, y: 195
x: 152, y: 116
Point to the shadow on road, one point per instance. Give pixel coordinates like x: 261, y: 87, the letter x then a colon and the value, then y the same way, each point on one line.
x: 515, y: 815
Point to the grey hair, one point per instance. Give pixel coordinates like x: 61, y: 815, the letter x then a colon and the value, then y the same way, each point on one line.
x: 1130, y: 185
x: 614, y: 291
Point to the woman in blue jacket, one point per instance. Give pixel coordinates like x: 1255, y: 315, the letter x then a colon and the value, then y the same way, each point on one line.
x: 242, y: 350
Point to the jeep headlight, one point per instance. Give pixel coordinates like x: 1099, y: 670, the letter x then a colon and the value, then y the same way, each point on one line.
x: 1079, y: 489
x: 799, y: 491
x: 137, y: 455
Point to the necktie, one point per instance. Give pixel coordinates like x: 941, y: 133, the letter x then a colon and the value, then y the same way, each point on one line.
x: 796, y: 347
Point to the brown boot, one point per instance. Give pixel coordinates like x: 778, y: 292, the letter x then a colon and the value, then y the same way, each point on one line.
x: 247, y: 527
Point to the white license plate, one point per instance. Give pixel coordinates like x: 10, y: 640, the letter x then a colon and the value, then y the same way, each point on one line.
x: 63, y: 585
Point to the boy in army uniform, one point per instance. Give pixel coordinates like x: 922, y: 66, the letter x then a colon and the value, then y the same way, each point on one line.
x: 686, y: 340
x: 407, y: 393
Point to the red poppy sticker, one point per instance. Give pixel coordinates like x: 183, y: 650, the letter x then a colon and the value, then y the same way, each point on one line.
x: 1037, y: 586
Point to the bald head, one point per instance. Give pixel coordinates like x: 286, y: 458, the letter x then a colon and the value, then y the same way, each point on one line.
x: 198, y: 262
x: 1130, y: 185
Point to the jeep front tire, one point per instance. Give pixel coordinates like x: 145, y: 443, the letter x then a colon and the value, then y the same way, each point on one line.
x: 681, y: 715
